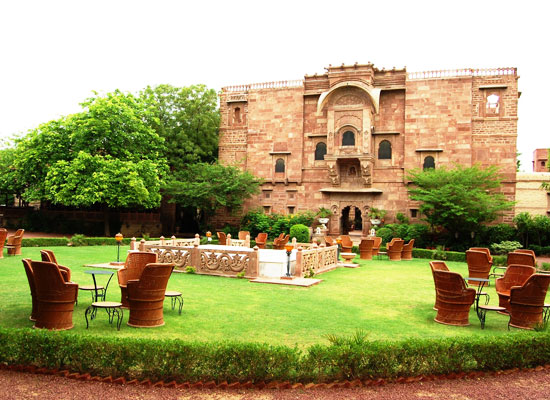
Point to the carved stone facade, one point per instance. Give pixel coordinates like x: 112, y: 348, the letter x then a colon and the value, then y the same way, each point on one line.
x: 345, y: 140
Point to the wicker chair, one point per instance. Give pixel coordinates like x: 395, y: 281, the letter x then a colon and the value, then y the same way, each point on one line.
x: 437, y: 266
x: 455, y: 299
x: 260, y: 240
x: 515, y: 275
x: 56, y: 297
x: 479, y: 265
x: 243, y: 234
x: 365, y: 249
x: 347, y: 244
x: 49, y: 256
x: 519, y: 258
x: 133, y: 267
x: 485, y: 250
x: 329, y: 241
x: 14, y: 243
x: 222, y: 238
x: 377, y: 244
x: 279, y: 243
x: 394, y: 249
x: 32, y: 286
x: 146, y: 295
x: 3, y: 236
x: 527, y: 302
x: 407, y: 252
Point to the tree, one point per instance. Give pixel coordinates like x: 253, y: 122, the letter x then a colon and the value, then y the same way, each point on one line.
x: 188, y: 119
x: 106, y: 155
x: 209, y: 187
x: 9, y: 183
x: 458, y: 199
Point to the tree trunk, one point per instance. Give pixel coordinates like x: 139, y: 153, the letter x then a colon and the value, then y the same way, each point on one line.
x: 106, y: 217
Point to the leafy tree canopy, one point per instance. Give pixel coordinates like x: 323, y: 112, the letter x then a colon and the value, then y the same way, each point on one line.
x: 458, y: 199
x: 209, y: 187
x: 188, y: 119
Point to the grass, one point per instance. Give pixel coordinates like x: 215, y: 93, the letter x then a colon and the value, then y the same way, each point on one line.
x: 387, y: 300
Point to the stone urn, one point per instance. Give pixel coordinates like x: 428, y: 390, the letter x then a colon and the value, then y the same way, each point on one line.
x: 323, y: 221
x: 375, y: 221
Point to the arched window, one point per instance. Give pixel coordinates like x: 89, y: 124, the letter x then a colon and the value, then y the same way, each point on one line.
x: 280, y: 165
x: 429, y: 162
x: 384, y: 150
x: 320, y: 151
x: 348, y: 139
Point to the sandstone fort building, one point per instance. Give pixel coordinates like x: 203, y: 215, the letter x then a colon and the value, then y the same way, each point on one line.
x: 345, y: 139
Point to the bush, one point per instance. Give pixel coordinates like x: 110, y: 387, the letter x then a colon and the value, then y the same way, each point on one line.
x: 439, y: 253
x: 345, y: 358
x: 300, y: 232
x: 499, y: 233
x: 44, y: 242
x: 505, y: 247
x: 256, y: 221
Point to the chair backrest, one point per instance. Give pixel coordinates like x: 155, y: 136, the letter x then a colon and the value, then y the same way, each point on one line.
x: 366, y: 244
x: 16, y: 238
x: 479, y: 265
x: 346, y: 241
x: 448, y: 283
x: 262, y: 237
x: 408, y: 246
x: 48, y: 256
x: 485, y: 250
x: 515, y: 275
x: 396, y: 245
x: 136, y: 262
x: 329, y: 241
x: 532, y: 292
x: 438, y: 266
x: 3, y: 236
x: 525, y: 251
x: 151, y: 285
x: 521, y: 259
x: 243, y: 234
x: 222, y: 238
x: 49, y: 283
x: 377, y: 242
x: 30, y: 275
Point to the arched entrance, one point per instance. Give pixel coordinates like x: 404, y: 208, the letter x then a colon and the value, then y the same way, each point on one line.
x: 351, y: 220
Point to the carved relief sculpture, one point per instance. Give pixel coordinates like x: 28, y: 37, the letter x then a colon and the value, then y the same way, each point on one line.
x: 366, y: 174
x: 333, y: 175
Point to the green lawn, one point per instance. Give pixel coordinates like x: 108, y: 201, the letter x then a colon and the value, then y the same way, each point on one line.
x: 389, y: 300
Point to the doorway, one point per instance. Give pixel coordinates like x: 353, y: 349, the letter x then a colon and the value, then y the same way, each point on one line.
x: 351, y: 220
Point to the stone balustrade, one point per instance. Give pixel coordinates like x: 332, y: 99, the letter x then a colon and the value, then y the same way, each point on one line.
x: 461, y: 72
x: 317, y: 259
x: 264, y: 85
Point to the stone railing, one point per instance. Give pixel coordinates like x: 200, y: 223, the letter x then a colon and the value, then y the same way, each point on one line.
x: 187, y: 242
x: 317, y: 259
x: 450, y: 73
x: 264, y: 85
x: 209, y: 259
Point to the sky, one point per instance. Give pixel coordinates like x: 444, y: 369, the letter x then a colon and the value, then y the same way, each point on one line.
x: 54, y: 54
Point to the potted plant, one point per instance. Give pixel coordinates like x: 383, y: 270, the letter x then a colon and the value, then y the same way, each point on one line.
x: 323, y: 215
x: 377, y: 215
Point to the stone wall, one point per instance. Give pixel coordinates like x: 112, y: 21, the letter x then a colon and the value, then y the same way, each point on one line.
x: 529, y: 196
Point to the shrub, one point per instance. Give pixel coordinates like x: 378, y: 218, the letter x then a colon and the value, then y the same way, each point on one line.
x: 545, y: 266
x: 385, y: 233
x: 44, y: 242
x: 423, y: 253
x: 500, y: 260
x: 256, y: 221
x: 505, y: 247
x: 191, y: 270
x: 402, y: 218
x: 499, y: 233
x: 300, y: 232
x: 439, y: 253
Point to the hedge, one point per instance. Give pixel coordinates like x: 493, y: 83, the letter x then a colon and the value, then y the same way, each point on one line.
x: 84, y: 241
x: 345, y: 358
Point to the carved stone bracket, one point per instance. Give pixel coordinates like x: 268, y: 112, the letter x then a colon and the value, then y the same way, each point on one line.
x: 333, y: 174
x: 366, y: 173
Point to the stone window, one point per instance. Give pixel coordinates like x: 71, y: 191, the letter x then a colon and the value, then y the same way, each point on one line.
x: 429, y: 162
x: 320, y: 151
x: 414, y: 213
x: 267, y: 195
x: 237, y: 115
x: 280, y: 165
x: 291, y: 210
x: 384, y: 150
x: 348, y: 138
x: 291, y: 195
x: 267, y: 209
x: 492, y: 103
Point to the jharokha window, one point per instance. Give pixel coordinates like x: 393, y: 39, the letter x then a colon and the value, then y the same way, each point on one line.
x: 429, y: 162
x: 384, y: 150
x: 348, y: 139
x: 280, y: 165
x: 492, y: 103
x: 320, y: 151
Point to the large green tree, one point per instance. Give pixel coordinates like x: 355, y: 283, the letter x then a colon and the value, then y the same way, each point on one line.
x: 459, y: 199
x: 107, y: 156
x: 209, y: 187
x: 188, y: 119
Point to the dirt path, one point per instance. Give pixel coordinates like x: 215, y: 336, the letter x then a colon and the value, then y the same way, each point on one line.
x: 532, y: 385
